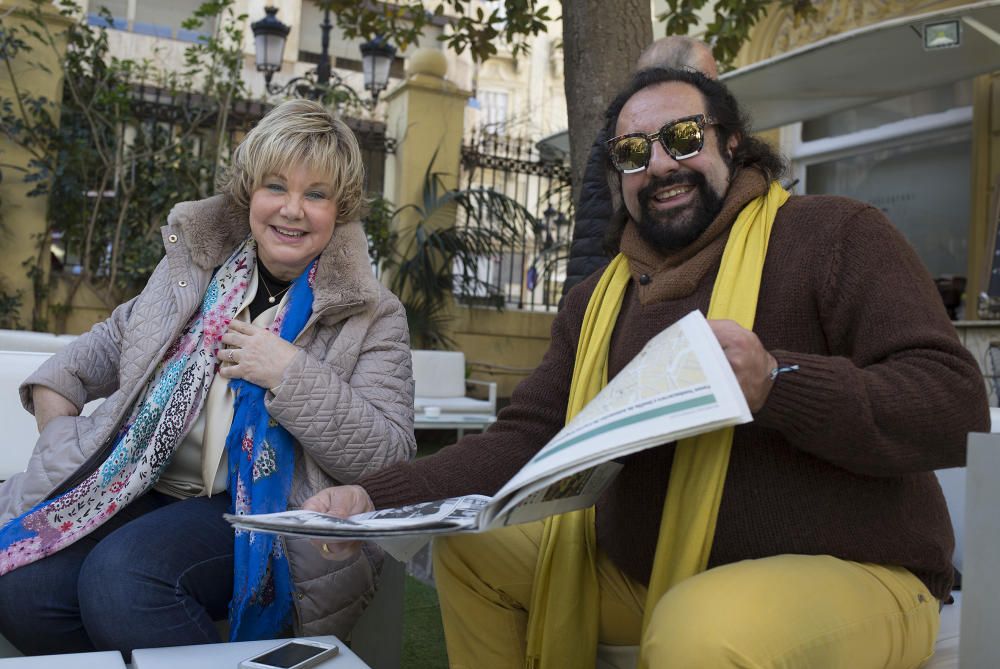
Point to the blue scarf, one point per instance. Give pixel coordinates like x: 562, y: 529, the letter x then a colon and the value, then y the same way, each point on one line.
x: 261, y: 460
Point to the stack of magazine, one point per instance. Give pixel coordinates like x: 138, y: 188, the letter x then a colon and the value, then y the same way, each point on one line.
x: 679, y: 385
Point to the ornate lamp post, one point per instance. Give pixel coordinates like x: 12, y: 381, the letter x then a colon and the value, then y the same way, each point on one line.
x: 269, y: 41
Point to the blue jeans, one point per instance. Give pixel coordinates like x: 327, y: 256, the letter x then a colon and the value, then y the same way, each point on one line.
x: 157, y: 574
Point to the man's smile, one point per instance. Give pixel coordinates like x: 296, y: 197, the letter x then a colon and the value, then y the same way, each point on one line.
x: 673, y: 195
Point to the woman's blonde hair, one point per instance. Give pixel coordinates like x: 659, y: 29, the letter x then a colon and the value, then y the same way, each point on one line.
x: 298, y: 132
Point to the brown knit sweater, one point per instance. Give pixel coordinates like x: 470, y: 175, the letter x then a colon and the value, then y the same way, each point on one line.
x: 839, y: 459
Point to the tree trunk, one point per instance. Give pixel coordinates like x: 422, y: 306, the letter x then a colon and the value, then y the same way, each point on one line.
x: 601, y: 42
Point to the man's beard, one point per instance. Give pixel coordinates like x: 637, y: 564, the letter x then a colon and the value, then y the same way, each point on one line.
x: 675, y: 229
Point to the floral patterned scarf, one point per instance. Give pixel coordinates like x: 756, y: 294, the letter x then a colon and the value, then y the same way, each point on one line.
x: 162, y: 416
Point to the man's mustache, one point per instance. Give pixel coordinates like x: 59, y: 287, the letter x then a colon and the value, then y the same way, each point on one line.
x: 678, y: 178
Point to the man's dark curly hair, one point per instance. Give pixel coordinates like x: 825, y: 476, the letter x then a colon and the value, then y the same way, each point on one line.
x: 730, y: 121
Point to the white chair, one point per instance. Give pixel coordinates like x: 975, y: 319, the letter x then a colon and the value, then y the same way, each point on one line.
x: 440, y: 382
x: 38, y: 342
x: 21, y: 353
x: 20, y: 430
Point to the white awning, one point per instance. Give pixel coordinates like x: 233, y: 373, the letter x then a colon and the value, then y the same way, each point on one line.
x: 866, y: 65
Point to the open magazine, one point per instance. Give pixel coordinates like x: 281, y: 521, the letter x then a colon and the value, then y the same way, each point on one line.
x: 679, y: 385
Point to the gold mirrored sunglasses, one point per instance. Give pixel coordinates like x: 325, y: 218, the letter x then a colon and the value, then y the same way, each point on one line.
x: 681, y: 139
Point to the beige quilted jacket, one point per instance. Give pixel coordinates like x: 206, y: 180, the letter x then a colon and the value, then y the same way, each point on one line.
x: 347, y: 398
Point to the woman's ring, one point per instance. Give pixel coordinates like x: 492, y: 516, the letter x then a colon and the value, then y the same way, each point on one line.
x: 232, y: 356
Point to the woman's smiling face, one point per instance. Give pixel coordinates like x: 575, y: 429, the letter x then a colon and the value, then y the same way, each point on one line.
x: 292, y: 216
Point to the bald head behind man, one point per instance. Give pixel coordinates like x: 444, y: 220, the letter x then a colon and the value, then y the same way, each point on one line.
x: 680, y: 52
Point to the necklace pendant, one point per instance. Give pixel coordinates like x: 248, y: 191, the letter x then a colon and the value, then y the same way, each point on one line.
x: 271, y: 299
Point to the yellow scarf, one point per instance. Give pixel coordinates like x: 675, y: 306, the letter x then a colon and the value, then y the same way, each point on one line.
x: 565, y: 600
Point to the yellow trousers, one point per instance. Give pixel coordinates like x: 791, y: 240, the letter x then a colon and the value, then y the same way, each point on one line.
x: 808, y: 612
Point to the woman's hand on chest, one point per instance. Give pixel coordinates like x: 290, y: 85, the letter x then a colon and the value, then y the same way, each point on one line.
x: 255, y: 354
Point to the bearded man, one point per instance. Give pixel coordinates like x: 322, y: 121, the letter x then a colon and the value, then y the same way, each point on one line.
x: 594, y: 207
x: 825, y: 540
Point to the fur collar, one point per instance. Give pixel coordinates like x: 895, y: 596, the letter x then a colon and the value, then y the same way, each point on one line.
x: 212, y: 228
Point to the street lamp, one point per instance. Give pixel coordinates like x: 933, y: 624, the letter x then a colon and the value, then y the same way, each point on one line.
x: 269, y: 35
x: 376, y: 59
x: 269, y: 40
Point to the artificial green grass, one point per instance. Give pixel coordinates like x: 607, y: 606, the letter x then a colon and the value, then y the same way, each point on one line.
x: 423, y: 636
x: 430, y: 442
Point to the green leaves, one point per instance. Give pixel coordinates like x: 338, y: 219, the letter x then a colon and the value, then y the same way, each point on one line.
x: 404, y: 23
x: 731, y: 23
x: 126, y: 142
x: 512, y: 22
x: 378, y: 227
x: 451, y: 232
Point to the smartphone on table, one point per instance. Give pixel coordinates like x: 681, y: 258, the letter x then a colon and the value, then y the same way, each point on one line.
x: 295, y: 654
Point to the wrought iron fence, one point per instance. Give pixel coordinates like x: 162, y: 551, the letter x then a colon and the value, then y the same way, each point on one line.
x: 530, y: 271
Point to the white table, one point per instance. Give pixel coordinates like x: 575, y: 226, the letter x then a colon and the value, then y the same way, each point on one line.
x: 229, y: 655
x: 206, y: 656
x: 453, y: 421
x: 109, y: 659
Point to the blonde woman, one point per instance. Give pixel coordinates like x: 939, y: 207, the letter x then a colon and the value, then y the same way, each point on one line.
x: 261, y: 363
